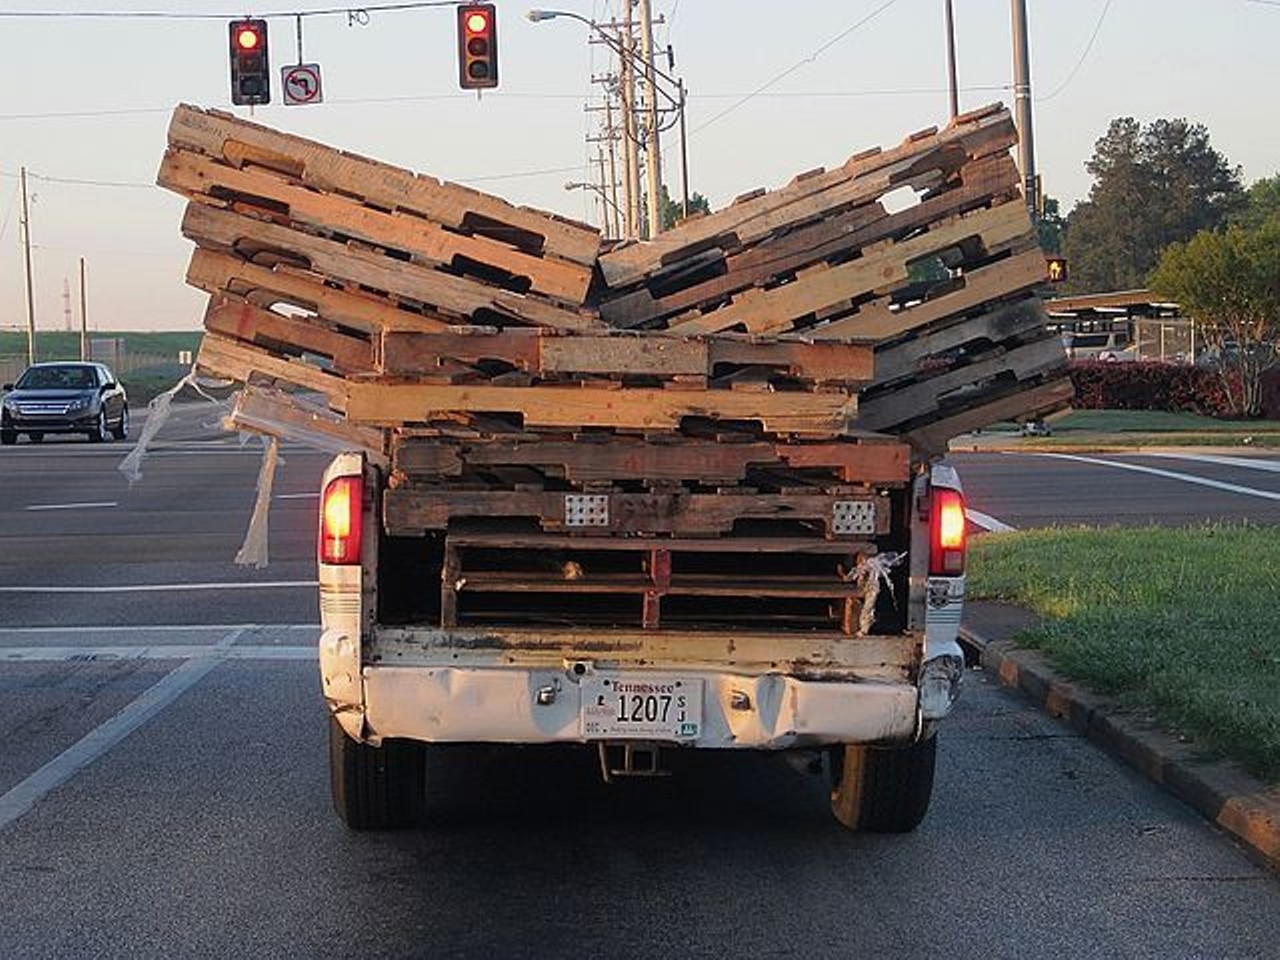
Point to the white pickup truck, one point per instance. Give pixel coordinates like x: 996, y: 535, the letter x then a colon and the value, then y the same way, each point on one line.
x: 863, y: 698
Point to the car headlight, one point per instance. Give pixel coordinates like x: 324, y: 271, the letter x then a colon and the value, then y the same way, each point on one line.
x: 79, y: 404
x: 10, y: 403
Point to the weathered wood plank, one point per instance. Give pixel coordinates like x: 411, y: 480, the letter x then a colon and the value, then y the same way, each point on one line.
x: 270, y: 286
x: 236, y: 317
x: 411, y: 511
x: 391, y: 404
x: 223, y: 136
x: 230, y: 232
x: 924, y: 397
x: 1028, y: 402
x: 1004, y: 278
x: 278, y: 414
x: 195, y: 175
x: 764, y: 311
x: 232, y: 360
x: 655, y: 356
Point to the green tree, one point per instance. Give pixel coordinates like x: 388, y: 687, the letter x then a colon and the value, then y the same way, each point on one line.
x: 673, y: 210
x: 1229, y: 281
x: 1153, y: 186
x: 1051, y: 226
x: 1262, y: 203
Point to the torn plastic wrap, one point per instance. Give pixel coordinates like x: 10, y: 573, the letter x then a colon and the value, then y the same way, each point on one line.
x: 159, y: 411
x: 288, y: 416
x: 253, y: 553
x: 872, y: 574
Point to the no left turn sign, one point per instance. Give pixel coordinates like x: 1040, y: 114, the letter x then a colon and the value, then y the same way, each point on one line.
x: 301, y: 83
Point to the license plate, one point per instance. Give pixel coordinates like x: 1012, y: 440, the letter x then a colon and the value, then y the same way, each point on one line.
x: 641, y: 707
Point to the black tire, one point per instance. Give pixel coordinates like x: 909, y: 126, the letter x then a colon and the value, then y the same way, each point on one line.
x: 882, y: 789
x: 121, y: 430
x: 8, y: 437
x: 376, y: 788
x: 99, y: 433
x: 36, y: 437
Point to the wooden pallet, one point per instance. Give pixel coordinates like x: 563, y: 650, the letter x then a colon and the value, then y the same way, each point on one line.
x: 650, y: 583
x: 408, y: 236
x: 923, y: 161
x: 239, y: 144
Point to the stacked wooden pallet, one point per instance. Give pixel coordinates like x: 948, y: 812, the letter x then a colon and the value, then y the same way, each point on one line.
x: 520, y: 386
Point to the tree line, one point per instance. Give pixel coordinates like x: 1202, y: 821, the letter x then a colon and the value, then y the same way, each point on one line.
x: 1169, y: 212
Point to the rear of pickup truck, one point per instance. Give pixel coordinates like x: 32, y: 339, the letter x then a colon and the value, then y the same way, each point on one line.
x: 833, y: 632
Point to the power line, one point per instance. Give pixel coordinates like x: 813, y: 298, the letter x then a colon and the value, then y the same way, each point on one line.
x: 353, y: 11
x: 798, y: 64
x: 1097, y: 28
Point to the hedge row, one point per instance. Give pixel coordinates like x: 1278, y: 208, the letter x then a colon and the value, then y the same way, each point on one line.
x: 1143, y: 385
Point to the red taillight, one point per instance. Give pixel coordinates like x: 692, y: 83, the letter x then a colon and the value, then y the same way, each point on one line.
x: 340, y: 521
x: 948, y: 533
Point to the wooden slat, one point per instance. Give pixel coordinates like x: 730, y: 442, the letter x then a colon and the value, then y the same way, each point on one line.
x: 275, y: 413
x: 864, y: 178
x: 232, y: 360
x: 390, y: 404
x: 231, y: 232
x: 1003, y: 278
x: 775, y: 309
x: 924, y: 396
x: 410, y: 511
x: 226, y: 137
x: 1028, y: 402
x: 268, y: 286
x: 235, y: 317
x: 192, y: 174
x: 735, y: 544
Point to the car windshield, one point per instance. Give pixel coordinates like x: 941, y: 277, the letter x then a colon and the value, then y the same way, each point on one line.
x: 57, y: 378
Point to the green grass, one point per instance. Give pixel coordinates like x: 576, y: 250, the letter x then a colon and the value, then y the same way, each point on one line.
x: 1155, y: 421
x: 1183, y: 622
x: 62, y: 345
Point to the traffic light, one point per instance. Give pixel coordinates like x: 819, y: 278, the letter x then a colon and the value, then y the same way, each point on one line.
x: 250, y: 69
x: 477, y: 46
x: 1057, y: 268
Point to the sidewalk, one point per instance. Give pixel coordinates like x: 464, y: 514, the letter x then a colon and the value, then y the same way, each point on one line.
x: 1224, y: 794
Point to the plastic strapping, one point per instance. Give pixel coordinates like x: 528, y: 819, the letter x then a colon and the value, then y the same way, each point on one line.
x: 253, y: 553
x: 871, y: 574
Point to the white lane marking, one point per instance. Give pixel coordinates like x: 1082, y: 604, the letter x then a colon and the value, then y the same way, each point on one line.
x: 1169, y: 475
x: 1248, y: 463
x: 174, y: 652
x: 155, y: 628
x: 988, y: 522
x: 21, y: 798
x: 99, y: 505
x: 297, y: 496
x: 170, y: 587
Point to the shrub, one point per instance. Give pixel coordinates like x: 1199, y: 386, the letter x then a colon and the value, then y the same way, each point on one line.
x: 1171, y: 387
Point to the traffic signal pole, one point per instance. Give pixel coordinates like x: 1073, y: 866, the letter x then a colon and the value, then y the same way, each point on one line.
x: 1022, y: 105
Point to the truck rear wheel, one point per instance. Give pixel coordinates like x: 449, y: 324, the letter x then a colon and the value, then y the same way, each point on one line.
x: 376, y: 788
x: 882, y: 789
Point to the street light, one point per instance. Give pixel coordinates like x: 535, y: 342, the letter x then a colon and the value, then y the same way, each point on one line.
x: 599, y: 191
x: 678, y: 101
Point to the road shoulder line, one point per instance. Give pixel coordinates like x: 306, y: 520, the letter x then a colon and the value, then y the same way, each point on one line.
x: 1222, y: 792
x: 1168, y: 475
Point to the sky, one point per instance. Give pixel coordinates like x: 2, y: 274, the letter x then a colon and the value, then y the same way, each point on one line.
x: 89, y: 99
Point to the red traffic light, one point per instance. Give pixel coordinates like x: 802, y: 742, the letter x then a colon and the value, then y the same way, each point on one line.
x: 477, y: 46
x: 250, y: 63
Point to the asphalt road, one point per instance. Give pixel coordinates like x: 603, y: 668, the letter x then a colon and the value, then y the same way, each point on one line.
x: 163, y: 779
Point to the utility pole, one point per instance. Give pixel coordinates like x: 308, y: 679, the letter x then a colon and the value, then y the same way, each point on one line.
x: 952, y: 85
x: 26, y: 252
x: 1022, y: 105
x: 84, y: 316
x: 653, y: 162
x: 610, y: 134
x: 684, y: 153
x: 630, y: 146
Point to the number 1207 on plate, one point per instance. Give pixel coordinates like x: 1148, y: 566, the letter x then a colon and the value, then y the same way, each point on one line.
x: 641, y: 708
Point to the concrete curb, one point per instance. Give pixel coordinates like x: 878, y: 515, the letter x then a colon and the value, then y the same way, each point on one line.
x: 1221, y: 792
